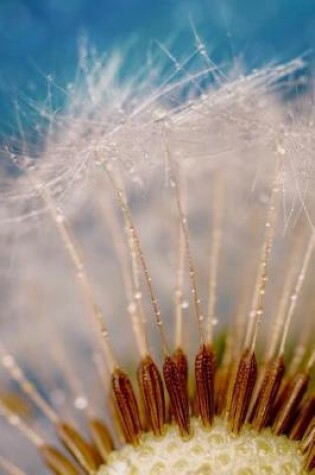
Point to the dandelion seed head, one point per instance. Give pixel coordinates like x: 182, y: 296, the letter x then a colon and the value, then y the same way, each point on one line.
x: 113, y: 242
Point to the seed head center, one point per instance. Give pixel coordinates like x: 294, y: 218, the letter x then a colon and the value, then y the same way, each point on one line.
x: 208, y: 451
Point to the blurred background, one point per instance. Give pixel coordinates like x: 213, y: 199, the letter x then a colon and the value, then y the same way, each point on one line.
x: 40, y: 38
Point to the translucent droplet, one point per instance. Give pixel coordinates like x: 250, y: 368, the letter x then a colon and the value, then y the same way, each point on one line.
x: 252, y: 314
x: 80, y: 403
x: 280, y: 150
x: 178, y: 293
x: 8, y: 361
x: 202, y: 49
x: 104, y: 333
x: 131, y: 308
x: 60, y: 218
x: 14, y: 420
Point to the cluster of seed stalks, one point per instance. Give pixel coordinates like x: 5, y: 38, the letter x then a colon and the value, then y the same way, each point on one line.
x: 233, y: 386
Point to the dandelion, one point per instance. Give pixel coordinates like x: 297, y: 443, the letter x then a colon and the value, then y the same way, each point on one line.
x: 157, y: 278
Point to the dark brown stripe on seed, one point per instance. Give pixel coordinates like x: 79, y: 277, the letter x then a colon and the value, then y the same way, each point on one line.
x: 181, y: 362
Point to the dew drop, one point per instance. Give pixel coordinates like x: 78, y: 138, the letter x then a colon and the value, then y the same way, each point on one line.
x: 280, y: 150
x: 131, y: 308
x: 8, y: 361
x: 14, y: 420
x: 80, y: 403
x: 60, y: 218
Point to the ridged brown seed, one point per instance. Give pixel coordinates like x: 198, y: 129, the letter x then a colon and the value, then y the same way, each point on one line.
x: 301, y: 424
x: 78, y: 447
x: 127, y: 406
x: 282, y: 396
x: 310, y: 457
x: 178, y: 396
x: 230, y: 388
x: 273, y: 374
x: 243, y: 386
x: 223, y: 377
x: 101, y: 438
x: 290, y: 403
x: 204, y: 375
x: 151, y: 386
x: 56, y: 461
x: 308, y: 437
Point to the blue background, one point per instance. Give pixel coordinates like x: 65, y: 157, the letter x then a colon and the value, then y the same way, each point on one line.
x: 41, y: 37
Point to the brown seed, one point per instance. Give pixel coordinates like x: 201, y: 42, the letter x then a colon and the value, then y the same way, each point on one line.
x: 178, y: 395
x: 101, y: 437
x: 230, y: 388
x: 151, y: 386
x: 243, y: 386
x: 77, y: 447
x: 310, y: 457
x: 223, y: 376
x: 127, y: 406
x: 57, y: 462
x: 273, y: 374
x: 301, y: 424
x: 290, y: 404
x: 283, y: 394
x: 204, y: 374
x: 308, y: 437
